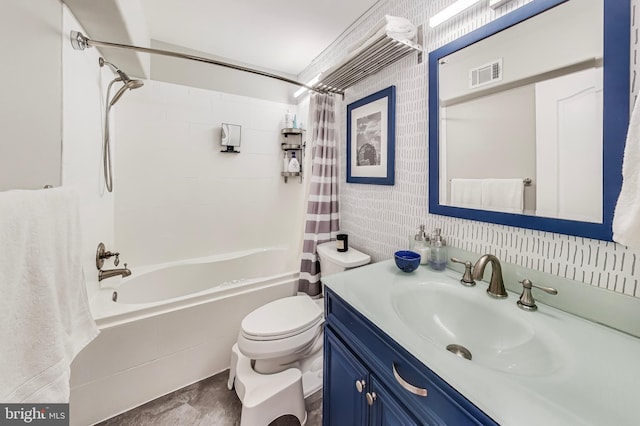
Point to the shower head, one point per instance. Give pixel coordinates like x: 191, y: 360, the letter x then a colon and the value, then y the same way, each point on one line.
x: 129, y: 83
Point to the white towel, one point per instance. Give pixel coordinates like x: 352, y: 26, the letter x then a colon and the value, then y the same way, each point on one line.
x: 626, y: 218
x: 395, y: 26
x: 503, y: 195
x: 45, y: 312
x: 466, y: 193
x: 400, y: 27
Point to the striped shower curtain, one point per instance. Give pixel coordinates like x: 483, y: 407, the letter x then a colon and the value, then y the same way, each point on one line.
x: 322, y: 222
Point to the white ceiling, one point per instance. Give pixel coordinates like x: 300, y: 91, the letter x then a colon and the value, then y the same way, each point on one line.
x: 281, y: 35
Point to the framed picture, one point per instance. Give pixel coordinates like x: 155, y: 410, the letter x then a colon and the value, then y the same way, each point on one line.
x: 371, y: 133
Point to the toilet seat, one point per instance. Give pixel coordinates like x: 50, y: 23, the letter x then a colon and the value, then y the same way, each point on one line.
x: 283, y: 318
x: 282, y: 328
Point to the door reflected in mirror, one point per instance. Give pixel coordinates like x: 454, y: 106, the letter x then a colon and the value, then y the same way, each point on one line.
x: 519, y: 112
x: 512, y: 113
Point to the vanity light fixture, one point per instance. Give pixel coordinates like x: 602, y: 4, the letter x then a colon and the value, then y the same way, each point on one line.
x: 450, y: 12
x: 311, y: 82
x: 494, y: 4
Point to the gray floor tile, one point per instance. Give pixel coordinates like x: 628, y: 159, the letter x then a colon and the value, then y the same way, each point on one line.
x: 205, y: 403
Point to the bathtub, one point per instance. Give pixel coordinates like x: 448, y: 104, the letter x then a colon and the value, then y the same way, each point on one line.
x: 171, y: 325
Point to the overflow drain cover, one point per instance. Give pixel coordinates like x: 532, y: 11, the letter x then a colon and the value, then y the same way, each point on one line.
x: 459, y: 350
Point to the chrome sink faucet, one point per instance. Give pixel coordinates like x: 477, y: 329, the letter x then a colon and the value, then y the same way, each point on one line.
x: 496, y: 284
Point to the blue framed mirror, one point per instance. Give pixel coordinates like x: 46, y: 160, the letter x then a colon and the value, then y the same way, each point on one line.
x: 528, y: 118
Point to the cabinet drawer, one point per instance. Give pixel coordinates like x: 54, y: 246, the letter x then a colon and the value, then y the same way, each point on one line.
x: 442, y: 403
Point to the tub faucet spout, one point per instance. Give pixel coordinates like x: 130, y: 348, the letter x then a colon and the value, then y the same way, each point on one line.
x: 496, y: 284
x: 108, y: 273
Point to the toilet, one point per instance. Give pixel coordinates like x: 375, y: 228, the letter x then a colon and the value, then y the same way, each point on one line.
x: 283, y: 335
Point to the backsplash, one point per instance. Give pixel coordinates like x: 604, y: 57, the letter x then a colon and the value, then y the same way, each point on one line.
x: 380, y: 219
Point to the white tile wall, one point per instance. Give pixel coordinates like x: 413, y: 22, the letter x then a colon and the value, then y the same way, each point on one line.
x: 177, y: 196
x: 394, y: 212
x: 82, y: 123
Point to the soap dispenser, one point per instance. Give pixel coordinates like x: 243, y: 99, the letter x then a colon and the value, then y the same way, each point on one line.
x: 294, y: 165
x: 420, y: 244
x: 438, y: 251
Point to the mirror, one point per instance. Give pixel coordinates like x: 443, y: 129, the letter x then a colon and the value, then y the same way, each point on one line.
x: 528, y: 118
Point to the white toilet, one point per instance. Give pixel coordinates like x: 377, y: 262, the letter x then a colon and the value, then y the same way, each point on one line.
x: 287, y: 334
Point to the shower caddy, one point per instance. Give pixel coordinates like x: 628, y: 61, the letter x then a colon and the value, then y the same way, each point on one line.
x: 293, y: 140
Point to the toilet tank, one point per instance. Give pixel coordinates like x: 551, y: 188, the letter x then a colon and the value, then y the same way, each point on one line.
x: 333, y: 261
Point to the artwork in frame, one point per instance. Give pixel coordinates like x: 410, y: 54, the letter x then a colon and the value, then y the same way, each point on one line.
x: 371, y: 133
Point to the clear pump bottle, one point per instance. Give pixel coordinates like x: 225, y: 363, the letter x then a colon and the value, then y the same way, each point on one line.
x: 438, y: 251
x: 420, y: 244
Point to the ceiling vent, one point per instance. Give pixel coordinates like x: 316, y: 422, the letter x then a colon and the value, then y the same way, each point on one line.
x: 485, y: 74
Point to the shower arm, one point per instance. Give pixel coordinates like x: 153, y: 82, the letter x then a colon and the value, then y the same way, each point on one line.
x: 80, y: 42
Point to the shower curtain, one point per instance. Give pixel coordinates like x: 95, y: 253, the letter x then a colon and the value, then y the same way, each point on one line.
x: 322, y: 221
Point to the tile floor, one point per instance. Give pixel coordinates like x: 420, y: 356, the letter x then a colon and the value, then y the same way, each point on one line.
x: 205, y: 403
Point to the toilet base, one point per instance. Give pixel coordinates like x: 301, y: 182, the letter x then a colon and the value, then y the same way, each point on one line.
x: 311, y: 369
x: 265, y: 397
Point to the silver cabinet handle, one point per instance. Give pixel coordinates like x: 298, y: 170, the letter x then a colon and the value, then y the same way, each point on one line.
x: 408, y: 386
x: 371, y: 398
x: 360, y: 385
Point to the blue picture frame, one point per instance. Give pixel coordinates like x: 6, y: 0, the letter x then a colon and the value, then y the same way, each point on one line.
x: 371, y: 133
x: 617, y: 18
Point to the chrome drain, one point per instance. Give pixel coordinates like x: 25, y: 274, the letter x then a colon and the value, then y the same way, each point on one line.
x: 459, y: 350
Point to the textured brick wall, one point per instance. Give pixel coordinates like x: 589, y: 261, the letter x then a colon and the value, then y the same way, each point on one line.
x: 380, y: 219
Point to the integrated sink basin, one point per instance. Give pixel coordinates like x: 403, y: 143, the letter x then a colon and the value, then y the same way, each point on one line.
x: 497, y: 335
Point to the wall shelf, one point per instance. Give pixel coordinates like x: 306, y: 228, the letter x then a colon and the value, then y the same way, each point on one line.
x: 374, y: 55
x: 293, y: 141
x: 291, y: 146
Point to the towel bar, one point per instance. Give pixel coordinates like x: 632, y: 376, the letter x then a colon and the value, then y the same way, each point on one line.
x: 525, y: 181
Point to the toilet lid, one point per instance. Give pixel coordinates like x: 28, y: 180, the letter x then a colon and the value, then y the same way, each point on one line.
x: 282, y: 318
x: 351, y: 258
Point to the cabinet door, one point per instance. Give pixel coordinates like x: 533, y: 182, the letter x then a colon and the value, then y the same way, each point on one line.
x: 386, y: 410
x: 346, y: 382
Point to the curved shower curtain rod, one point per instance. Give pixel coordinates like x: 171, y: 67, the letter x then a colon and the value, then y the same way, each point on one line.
x: 80, y: 42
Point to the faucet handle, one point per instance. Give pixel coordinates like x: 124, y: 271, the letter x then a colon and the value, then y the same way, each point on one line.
x: 526, y: 301
x: 467, y: 278
x: 116, y: 261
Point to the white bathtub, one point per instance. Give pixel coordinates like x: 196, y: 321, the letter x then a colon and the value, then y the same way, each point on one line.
x: 172, y: 325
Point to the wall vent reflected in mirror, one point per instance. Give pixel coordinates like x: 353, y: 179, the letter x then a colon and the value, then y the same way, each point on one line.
x: 485, y: 74
x: 230, y: 137
x: 558, y: 115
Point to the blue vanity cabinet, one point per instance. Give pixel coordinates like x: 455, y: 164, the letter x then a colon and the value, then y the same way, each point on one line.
x: 342, y: 373
x: 386, y: 410
x: 397, y: 389
x: 356, y: 396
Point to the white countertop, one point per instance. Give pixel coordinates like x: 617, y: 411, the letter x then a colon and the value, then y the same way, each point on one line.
x: 596, y: 380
